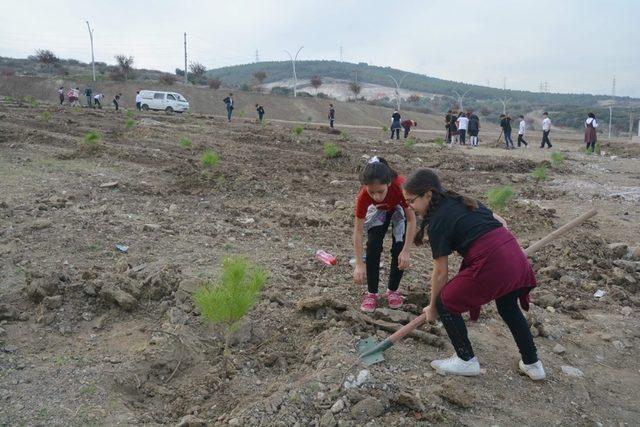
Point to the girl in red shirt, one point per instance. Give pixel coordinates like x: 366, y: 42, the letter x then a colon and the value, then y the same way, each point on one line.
x: 380, y: 203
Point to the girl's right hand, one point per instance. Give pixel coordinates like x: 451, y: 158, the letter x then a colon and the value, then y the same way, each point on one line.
x: 359, y: 273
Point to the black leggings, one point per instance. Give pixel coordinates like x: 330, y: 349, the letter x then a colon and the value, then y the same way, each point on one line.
x: 591, y: 146
x: 375, y: 237
x: 396, y: 132
x: 510, y: 313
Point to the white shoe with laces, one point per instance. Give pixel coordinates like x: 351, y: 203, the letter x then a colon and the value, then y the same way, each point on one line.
x: 535, y: 371
x: 456, y: 366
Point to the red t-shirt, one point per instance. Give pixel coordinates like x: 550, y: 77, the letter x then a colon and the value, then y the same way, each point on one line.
x: 393, y: 198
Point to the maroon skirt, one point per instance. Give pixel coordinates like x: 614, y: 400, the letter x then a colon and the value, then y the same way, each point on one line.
x: 590, y: 135
x: 495, y: 265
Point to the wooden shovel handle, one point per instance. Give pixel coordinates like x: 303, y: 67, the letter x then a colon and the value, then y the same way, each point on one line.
x: 559, y: 232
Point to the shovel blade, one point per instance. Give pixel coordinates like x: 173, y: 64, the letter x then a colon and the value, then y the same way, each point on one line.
x: 364, y: 348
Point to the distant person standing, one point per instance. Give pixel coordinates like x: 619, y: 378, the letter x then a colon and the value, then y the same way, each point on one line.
x: 590, y: 135
x: 332, y: 115
x: 97, y: 100
x: 76, y: 96
x: 447, y: 126
x: 521, y: 129
x: 474, y: 128
x: 453, y: 127
x: 407, y: 125
x: 546, y: 128
x: 260, y: 111
x: 88, y: 92
x: 61, y: 94
x: 228, y: 101
x: 395, y: 124
x: 463, y: 125
x: 138, y: 100
x: 505, y: 124
x: 116, y: 101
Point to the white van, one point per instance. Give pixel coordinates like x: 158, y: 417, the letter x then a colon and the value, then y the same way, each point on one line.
x: 167, y: 101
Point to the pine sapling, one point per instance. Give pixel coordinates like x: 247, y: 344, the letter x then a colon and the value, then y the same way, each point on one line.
x: 227, y: 301
x: 499, y: 197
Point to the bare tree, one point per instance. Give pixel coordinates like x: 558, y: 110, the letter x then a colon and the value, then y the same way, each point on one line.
x: 47, y: 58
x: 125, y: 63
x: 197, y: 71
x: 316, y: 82
x: 214, y: 83
x: 355, y: 88
x: 259, y: 76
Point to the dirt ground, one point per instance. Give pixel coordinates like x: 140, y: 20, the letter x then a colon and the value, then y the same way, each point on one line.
x: 93, y: 336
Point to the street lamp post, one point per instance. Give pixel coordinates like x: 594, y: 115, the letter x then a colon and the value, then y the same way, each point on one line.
x: 397, y: 89
x: 293, y: 64
x: 461, y: 98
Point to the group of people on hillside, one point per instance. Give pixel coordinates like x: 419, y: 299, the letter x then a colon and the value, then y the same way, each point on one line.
x: 92, y: 100
x: 457, y: 125
x: 505, y: 124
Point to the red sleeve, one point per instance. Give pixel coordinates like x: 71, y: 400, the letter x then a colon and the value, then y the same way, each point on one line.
x: 363, y: 201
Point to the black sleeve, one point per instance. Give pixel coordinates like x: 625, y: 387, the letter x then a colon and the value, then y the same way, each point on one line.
x: 440, y: 240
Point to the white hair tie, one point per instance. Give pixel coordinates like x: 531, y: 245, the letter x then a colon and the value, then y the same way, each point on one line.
x: 374, y: 159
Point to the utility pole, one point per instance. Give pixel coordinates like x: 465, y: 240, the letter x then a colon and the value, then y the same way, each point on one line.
x: 93, y: 63
x: 185, y: 59
x: 397, y: 89
x: 257, y: 56
x: 613, y: 87
x: 610, y: 107
x: 293, y: 63
x: 504, y: 100
x: 341, y: 54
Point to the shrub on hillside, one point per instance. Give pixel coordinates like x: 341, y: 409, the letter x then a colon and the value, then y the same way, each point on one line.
x: 168, y: 79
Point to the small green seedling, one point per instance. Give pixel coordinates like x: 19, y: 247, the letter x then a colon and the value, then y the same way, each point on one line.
x: 185, y: 143
x: 540, y: 173
x: 8, y: 99
x: 241, y: 114
x: 298, y: 130
x: 439, y: 142
x: 90, y: 141
x: 210, y: 159
x: 309, y: 119
x: 409, y: 143
x: 499, y: 197
x: 130, y: 114
x: 129, y: 123
x: 331, y: 150
x: 385, y: 128
x: 344, y: 135
x: 46, y: 116
x: 557, y: 158
x: 227, y: 301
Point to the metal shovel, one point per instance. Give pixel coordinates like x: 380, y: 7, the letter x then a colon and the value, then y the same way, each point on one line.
x: 371, y: 352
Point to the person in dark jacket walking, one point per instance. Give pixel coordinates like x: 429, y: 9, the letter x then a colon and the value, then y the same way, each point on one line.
x: 395, y: 124
x: 228, y: 101
x: 407, y: 125
x: 260, y: 111
x: 332, y: 115
x: 505, y: 124
x: 61, y: 94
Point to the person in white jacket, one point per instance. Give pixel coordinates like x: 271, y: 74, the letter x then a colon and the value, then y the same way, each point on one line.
x: 546, y: 128
x: 521, y: 129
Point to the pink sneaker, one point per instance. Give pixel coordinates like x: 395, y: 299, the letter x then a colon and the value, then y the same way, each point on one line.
x: 369, y: 302
x: 394, y: 299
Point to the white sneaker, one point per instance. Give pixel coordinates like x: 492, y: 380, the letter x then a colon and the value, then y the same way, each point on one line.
x: 535, y: 371
x: 456, y: 366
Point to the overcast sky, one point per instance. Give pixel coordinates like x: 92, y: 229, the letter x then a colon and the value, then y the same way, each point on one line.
x: 574, y: 45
